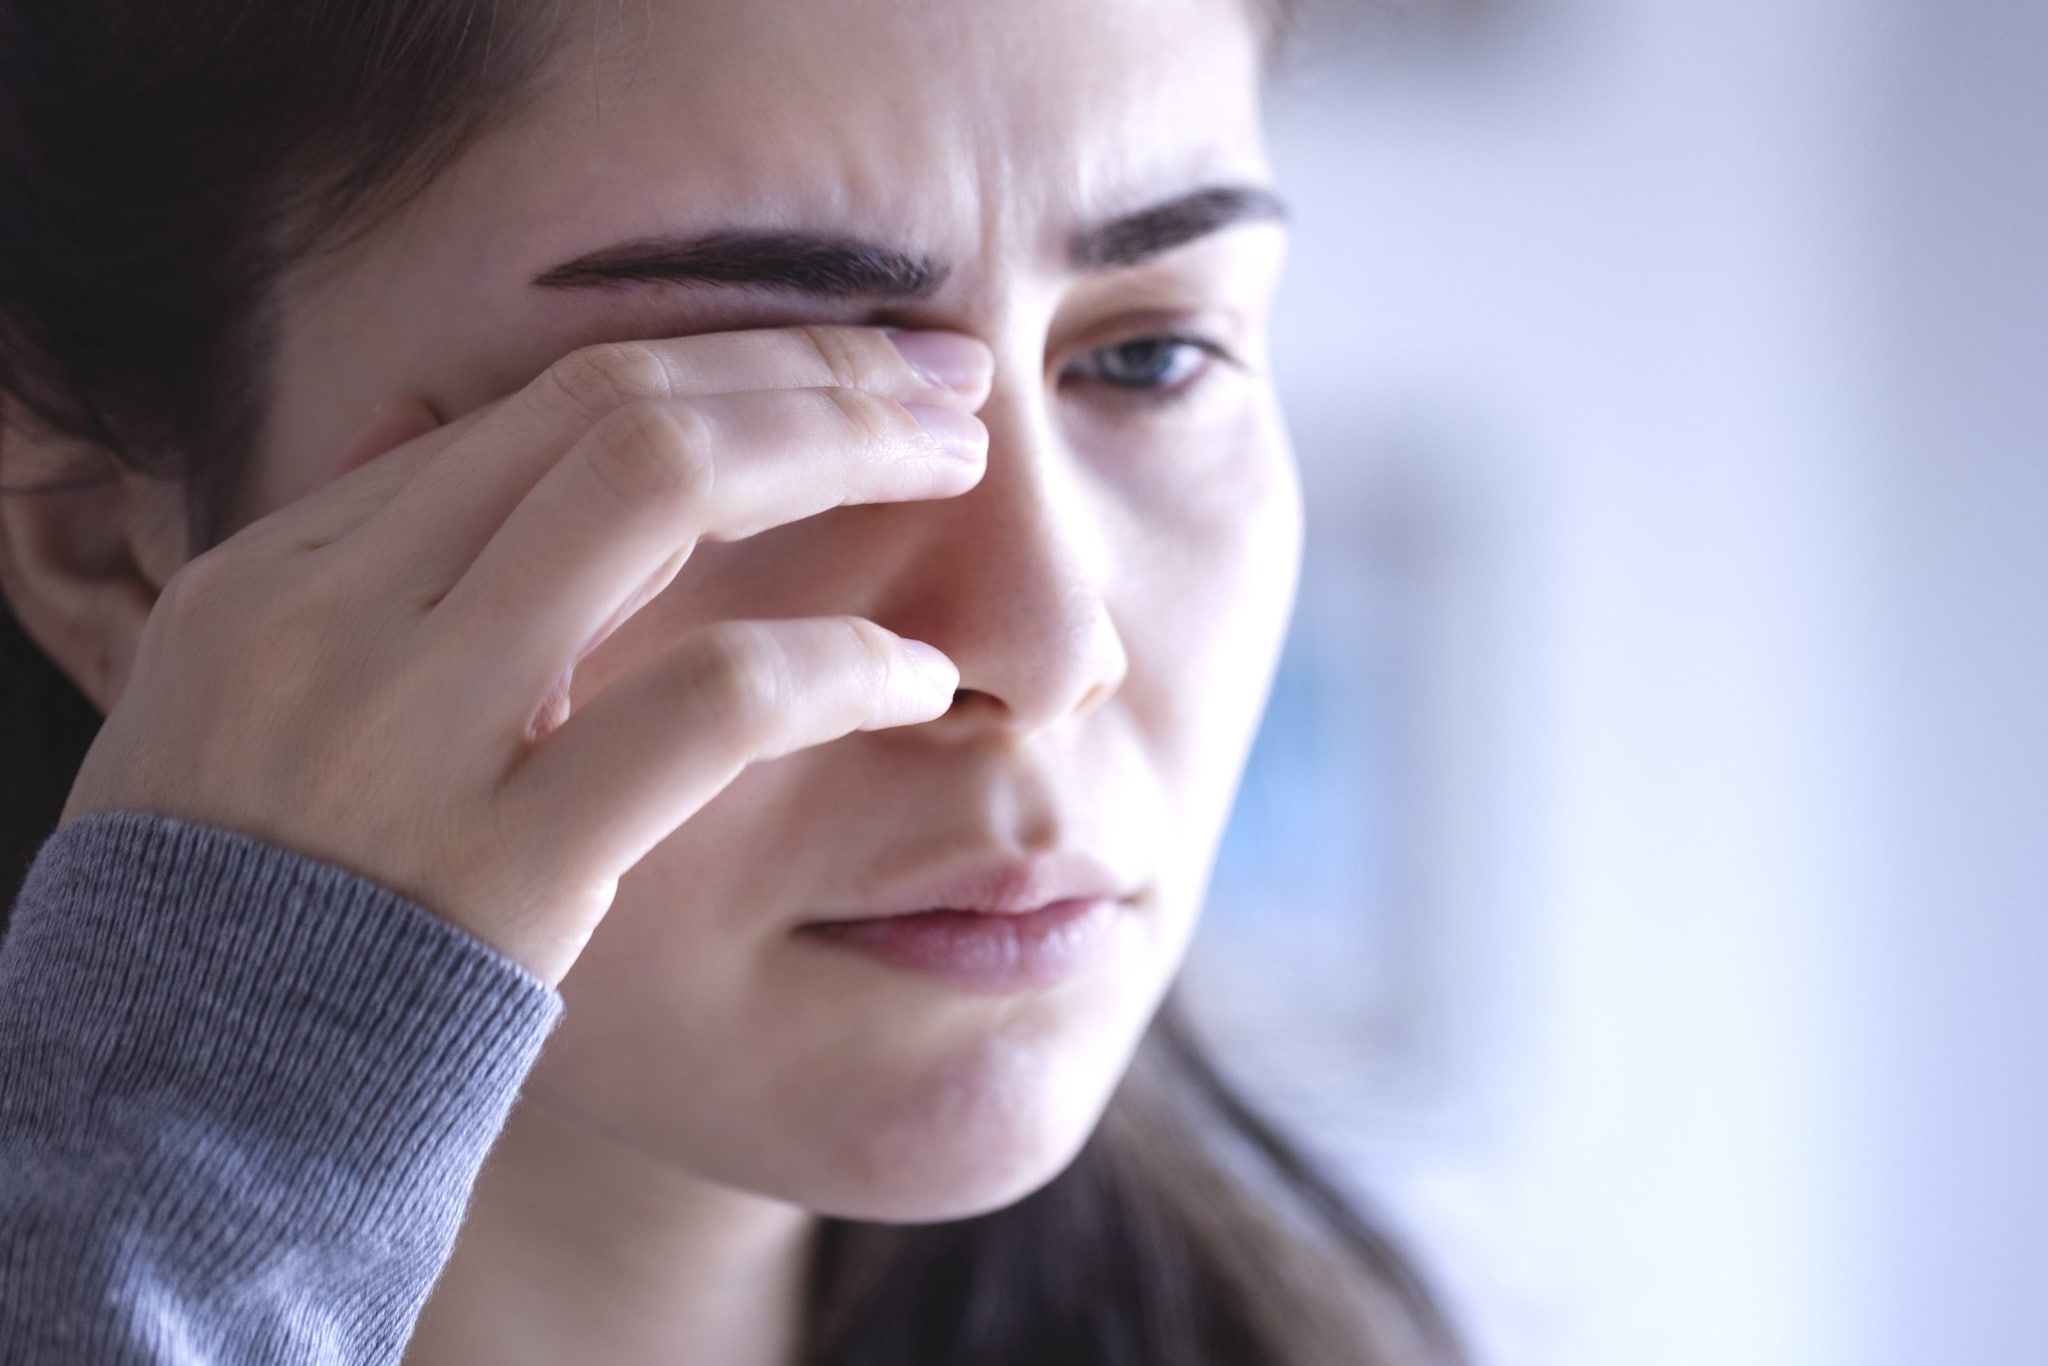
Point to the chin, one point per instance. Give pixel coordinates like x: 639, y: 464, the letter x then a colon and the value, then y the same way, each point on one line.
x: 974, y: 1136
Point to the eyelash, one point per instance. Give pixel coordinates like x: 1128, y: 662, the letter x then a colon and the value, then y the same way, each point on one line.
x: 1160, y: 395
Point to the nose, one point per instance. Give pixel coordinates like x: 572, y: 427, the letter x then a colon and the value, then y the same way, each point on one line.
x: 1011, y: 579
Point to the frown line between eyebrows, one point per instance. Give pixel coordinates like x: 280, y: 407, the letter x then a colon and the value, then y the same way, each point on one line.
x: 830, y: 266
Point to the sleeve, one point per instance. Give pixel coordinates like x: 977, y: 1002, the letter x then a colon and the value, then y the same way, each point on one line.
x: 244, y: 1096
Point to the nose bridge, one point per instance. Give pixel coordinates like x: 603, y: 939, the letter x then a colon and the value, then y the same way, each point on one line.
x: 1012, y: 578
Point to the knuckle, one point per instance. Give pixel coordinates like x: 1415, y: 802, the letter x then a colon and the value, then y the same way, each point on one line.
x: 846, y: 356
x: 871, y: 643
x: 875, y: 422
x: 880, y: 659
x: 196, y: 587
x: 597, y: 379
x: 737, y: 679
x: 654, y: 452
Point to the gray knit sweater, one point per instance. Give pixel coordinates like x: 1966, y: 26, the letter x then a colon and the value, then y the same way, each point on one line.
x: 243, y: 1098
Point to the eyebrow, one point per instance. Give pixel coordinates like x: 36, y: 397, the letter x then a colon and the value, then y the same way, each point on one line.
x: 834, y: 266
x: 1138, y: 237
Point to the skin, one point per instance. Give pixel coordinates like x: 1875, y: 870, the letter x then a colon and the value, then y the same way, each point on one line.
x: 1112, y: 586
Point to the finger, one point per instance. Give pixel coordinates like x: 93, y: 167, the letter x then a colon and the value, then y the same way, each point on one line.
x: 650, y: 750
x: 615, y: 519
x: 457, y: 503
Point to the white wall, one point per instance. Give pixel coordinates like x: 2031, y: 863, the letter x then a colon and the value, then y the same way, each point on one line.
x: 1958, y: 1041
x: 1695, y: 348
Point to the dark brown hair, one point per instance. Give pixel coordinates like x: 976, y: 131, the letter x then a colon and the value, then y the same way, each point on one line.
x: 160, y: 165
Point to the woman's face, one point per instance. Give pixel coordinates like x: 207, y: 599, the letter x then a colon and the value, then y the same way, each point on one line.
x: 1114, y: 590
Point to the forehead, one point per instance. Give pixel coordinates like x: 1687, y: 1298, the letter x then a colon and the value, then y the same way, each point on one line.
x: 984, y: 129
x: 978, y: 133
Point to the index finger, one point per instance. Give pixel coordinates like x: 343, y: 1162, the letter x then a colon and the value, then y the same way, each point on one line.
x: 460, y: 501
x: 457, y: 502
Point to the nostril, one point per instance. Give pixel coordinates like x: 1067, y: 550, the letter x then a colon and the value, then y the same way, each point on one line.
x: 969, y: 697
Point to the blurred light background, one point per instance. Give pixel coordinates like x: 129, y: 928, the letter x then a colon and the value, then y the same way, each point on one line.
x: 1641, y: 882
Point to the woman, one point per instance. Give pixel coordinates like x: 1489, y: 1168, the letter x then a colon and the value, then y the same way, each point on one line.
x: 745, y: 542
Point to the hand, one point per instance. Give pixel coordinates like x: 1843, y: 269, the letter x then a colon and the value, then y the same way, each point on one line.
x: 377, y: 675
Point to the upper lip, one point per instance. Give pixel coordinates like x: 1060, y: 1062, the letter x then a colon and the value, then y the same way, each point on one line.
x: 999, y: 885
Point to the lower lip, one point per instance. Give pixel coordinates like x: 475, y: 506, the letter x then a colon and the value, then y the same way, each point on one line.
x: 990, y: 953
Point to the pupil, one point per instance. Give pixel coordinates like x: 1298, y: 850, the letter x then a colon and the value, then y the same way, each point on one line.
x: 1139, y: 363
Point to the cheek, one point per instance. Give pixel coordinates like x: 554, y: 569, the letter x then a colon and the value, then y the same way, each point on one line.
x: 1207, y: 582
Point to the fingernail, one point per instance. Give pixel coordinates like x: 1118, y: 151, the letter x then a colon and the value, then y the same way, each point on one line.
x: 960, y: 433
x: 945, y: 358
x: 930, y: 663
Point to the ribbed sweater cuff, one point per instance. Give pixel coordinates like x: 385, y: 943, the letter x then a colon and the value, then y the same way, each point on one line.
x: 322, y: 1054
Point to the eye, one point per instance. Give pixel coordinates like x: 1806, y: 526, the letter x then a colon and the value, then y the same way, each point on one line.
x: 1151, y: 368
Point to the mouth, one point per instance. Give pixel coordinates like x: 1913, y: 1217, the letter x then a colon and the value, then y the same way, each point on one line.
x: 993, y: 923
x: 991, y: 952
